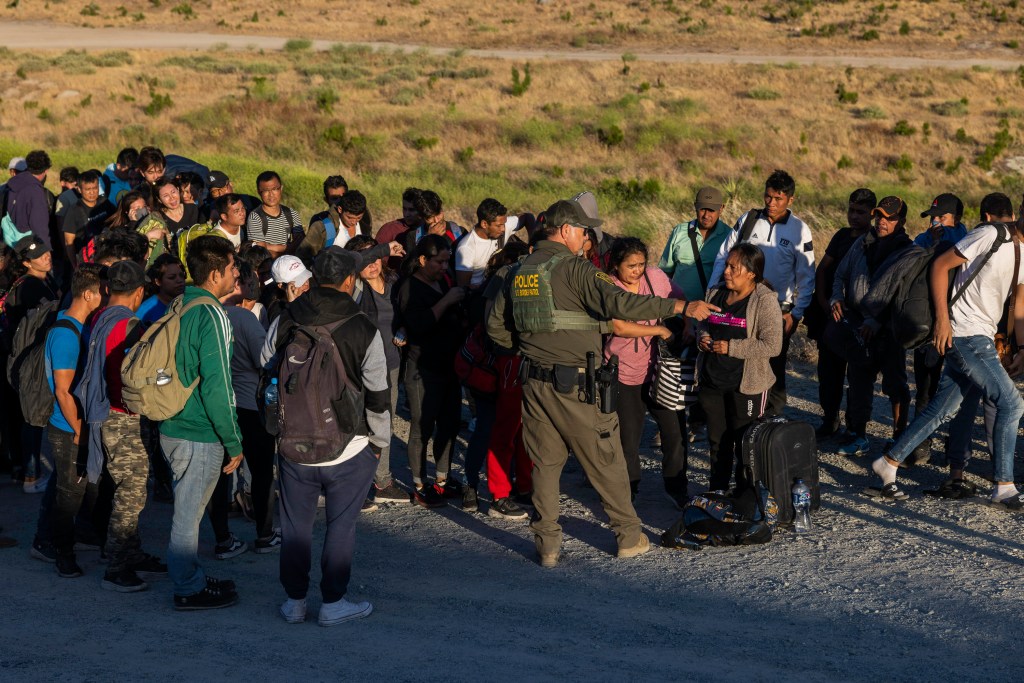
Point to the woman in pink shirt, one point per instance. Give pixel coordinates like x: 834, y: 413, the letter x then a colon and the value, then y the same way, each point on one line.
x: 635, y: 345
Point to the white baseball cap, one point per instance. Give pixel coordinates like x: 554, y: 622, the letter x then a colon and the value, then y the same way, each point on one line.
x: 17, y: 164
x: 290, y: 270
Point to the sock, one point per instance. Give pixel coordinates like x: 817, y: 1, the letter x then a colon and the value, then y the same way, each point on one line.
x: 1004, y: 491
x: 886, y: 470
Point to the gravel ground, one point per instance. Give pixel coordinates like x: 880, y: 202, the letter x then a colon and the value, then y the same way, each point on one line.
x: 919, y: 590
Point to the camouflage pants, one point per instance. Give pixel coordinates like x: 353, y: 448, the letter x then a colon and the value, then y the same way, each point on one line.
x: 128, y: 466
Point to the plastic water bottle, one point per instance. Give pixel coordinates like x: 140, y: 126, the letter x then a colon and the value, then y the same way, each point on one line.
x: 270, y: 407
x: 801, y: 507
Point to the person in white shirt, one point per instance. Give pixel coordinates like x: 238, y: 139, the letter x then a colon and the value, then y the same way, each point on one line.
x: 788, y: 264
x: 964, y: 333
x: 493, y: 228
x: 231, y: 211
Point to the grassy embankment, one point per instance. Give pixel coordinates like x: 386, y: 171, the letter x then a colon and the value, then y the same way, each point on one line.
x: 643, y: 136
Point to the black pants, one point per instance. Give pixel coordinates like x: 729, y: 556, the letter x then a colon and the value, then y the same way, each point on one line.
x: 259, y: 450
x: 888, y: 358
x: 777, y: 394
x: 634, y: 403
x: 435, y: 400
x: 729, y: 413
x: 926, y: 378
x: 219, y: 509
x: 831, y: 378
x: 71, y: 487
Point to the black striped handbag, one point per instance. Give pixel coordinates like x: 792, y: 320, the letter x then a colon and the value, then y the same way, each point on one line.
x: 675, y: 378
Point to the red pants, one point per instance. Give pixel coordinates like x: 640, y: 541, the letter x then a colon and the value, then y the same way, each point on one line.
x: 507, y: 435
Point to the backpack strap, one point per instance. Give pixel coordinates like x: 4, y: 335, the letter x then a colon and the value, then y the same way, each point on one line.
x: 330, y: 231
x: 264, y: 221
x: 692, y: 232
x: 748, y: 225
x: 1002, y: 237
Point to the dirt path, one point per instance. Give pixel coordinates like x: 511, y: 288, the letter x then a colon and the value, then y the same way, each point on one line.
x: 42, y: 35
x: 879, y: 591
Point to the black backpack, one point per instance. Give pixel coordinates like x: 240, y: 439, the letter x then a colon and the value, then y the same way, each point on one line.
x: 912, y: 312
x: 27, y: 368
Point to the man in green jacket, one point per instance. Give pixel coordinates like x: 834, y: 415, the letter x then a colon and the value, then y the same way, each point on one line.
x: 196, y: 440
x: 689, y: 255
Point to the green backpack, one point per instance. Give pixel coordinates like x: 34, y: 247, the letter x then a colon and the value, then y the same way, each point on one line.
x: 189, y: 234
x: 149, y: 372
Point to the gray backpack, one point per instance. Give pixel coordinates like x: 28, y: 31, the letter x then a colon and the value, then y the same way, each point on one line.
x: 320, y: 411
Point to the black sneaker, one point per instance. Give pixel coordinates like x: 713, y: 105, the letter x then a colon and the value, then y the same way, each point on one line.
x: 220, y: 584
x: 504, y: 508
x: 230, y: 548
x: 124, y: 581
x: 428, y: 497
x: 67, y: 568
x: 44, y: 551
x: 452, y: 488
x: 392, y: 493
x: 469, y: 500
x: 149, y: 565
x: 827, y: 429
x: 208, y: 598
x: 268, y: 544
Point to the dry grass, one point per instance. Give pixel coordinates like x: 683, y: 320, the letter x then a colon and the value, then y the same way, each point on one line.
x: 644, y: 140
x: 923, y: 27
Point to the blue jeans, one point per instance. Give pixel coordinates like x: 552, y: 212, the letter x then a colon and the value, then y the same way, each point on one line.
x: 972, y: 363
x: 476, y: 449
x: 961, y: 429
x: 196, y: 467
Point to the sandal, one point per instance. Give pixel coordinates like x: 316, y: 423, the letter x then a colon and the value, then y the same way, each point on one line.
x: 887, y: 492
x: 954, y: 489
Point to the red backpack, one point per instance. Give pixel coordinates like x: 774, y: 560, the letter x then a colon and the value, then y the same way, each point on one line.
x: 474, y: 363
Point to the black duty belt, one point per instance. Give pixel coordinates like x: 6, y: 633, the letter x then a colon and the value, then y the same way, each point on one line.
x: 546, y: 374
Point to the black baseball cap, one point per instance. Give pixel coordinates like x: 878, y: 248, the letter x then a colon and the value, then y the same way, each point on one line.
x: 572, y: 212
x: 30, y: 247
x: 943, y: 204
x: 891, y: 207
x: 218, y: 180
x: 124, y: 277
x: 334, y: 265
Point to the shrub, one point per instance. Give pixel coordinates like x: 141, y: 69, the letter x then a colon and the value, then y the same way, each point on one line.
x: 904, y: 163
x: 903, y: 128
x: 951, y: 108
x: 90, y: 10
x: 184, y: 9
x: 844, y: 162
x: 611, y: 136
x: 325, y: 99
x: 905, y: 28
x: 157, y: 104
x: 954, y: 166
x: 846, y: 96
x: 335, y: 134
x: 422, y: 143
x: 633, y: 191
x: 520, y: 85
x: 999, y: 144
x: 297, y: 45
x: 464, y: 155
x: 870, y: 35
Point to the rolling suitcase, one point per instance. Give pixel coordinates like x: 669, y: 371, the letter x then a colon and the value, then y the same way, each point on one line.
x: 780, y: 452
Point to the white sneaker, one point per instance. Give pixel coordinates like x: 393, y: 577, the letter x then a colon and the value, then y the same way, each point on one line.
x: 35, y: 486
x: 333, y: 613
x: 294, y: 611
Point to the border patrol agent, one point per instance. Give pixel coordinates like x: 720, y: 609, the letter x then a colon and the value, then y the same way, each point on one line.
x: 560, y: 305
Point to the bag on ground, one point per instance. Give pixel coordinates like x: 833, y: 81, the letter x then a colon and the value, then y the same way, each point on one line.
x: 715, y: 519
x: 780, y: 452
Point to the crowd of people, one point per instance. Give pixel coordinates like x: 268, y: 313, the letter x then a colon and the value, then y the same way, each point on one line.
x: 515, y: 315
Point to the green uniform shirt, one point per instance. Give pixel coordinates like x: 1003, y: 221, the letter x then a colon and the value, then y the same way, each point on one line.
x: 577, y: 286
x: 678, y: 260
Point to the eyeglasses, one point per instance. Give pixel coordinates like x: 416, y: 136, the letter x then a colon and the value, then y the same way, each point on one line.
x: 270, y: 190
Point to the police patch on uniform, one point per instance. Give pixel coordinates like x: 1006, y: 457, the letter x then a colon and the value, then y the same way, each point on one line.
x: 808, y: 246
x: 601, y: 275
x: 784, y: 243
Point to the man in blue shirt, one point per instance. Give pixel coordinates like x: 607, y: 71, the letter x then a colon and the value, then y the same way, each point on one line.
x: 62, y: 355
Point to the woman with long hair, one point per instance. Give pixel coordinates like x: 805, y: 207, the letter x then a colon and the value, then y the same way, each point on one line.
x: 430, y: 311
x: 635, y: 344
x: 736, y: 346
x: 177, y: 214
x: 373, y: 294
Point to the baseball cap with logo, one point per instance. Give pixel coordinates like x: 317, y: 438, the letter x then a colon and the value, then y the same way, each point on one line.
x: 571, y: 211
x: 31, y: 247
x: 946, y: 202
x: 17, y: 164
x: 708, y: 198
x: 290, y: 270
x: 125, y: 276
x: 218, y: 180
x: 890, y: 207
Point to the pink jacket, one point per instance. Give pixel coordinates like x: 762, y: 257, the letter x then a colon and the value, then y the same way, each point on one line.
x: 636, y: 356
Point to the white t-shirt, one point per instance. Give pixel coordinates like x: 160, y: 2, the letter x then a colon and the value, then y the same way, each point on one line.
x: 235, y: 239
x: 473, y: 251
x: 978, y: 311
